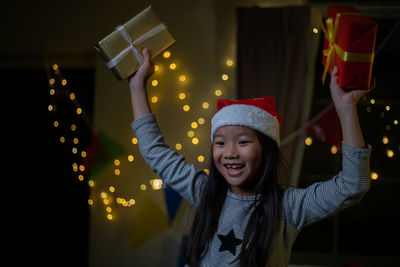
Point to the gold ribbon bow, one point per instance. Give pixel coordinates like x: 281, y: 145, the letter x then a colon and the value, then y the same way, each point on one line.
x: 330, y: 32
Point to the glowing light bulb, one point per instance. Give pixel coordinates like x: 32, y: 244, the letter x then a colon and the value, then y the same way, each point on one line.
x: 73, y: 127
x: 143, y: 187
x: 117, y: 162
x: 186, y: 108
x: 154, y: 82
x: 205, y: 105
x: 218, y: 92
x: 52, y: 91
x: 112, y: 189
x: 194, y: 125
x: 385, y: 140
x: 195, y: 141
x: 315, y: 30
x: 131, y: 158
x: 166, y: 54
x: 81, y: 168
x: 225, y: 77
x: 190, y: 133
x: 154, y: 99
x: 372, y: 101
x: 387, y: 108
x: 117, y: 172
x: 76, y: 140
x: 55, y: 67
x: 50, y: 107
x: 308, y: 141
x: 74, y: 150
x: 90, y: 202
x: 52, y: 81
x: 374, y: 176
x: 178, y: 146
x: 91, y: 183
x: 172, y: 66
x: 103, y: 195
x: 55, y: 123
x: 156, y: 68
x: 201, y: 121
x: 108, y: 209
x: 80, y: 177
x: 229, y: 63
x: 83, y: 154
x: 78, y: 111
x: 64, y: 82
x: 389, y: 153
x: 72, y: 96
x: 182, y: 78
x: 395, y: 122
x: 334, y: 149
x: 182, y: 96
x: 62, y: 139
x: 134, y: 140
x: 200, y: 158
x: 109, y: 217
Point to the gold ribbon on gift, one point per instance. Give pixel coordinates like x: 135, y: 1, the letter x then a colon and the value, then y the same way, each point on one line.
x: 121, y: 29
x: 330, y: 32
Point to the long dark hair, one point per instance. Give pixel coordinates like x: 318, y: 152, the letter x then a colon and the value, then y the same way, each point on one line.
x: 263, y: 222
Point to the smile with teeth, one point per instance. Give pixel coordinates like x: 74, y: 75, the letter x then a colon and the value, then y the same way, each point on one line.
x: 234, y: 169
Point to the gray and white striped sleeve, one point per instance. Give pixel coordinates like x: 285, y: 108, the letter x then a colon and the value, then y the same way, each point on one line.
x: 167, y: 163
x: 322, y: 199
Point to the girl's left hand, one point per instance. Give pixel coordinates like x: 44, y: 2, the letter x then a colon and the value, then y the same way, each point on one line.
x: 344, y: 100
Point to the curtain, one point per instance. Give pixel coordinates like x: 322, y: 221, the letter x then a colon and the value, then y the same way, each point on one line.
x: 273, y: 60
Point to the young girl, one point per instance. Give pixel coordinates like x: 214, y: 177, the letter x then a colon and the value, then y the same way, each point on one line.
x: 244, y: 217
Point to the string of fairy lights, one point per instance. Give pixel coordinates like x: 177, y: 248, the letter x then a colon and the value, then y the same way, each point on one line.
x: 70, y: 131
x: 108, y: 196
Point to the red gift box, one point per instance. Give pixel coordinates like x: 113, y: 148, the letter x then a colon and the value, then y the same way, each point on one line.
x: 349, y: 44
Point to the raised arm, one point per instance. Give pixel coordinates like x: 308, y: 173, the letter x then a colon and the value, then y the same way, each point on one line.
x: 137, y: 86
x: 346, y: 108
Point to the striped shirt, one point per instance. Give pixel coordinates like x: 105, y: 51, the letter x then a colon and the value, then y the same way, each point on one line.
x: 300, y: 206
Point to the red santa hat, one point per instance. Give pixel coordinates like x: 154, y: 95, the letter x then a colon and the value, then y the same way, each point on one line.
x: 259, y: 114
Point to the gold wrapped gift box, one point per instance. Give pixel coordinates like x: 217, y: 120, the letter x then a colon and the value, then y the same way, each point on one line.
x: 121, y: 50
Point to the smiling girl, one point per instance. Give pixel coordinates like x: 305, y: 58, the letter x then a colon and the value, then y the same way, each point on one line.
x: 244, y: 216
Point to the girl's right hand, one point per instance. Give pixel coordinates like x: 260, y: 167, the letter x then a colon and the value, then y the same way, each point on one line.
x: 140, y: 77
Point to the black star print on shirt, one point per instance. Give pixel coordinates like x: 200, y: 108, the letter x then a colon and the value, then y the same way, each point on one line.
x: 229, y: 242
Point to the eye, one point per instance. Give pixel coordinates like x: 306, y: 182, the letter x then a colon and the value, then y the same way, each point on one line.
x: 243, y: 142
x: 219, y: 143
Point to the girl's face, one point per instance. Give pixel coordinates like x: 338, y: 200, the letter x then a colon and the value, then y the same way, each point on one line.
x: 237, y: 155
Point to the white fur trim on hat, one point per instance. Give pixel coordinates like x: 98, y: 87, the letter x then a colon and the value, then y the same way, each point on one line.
x: 249, y: 116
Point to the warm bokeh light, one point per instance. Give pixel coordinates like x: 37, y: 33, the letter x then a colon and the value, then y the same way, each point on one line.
x: 315, y: 30
x: 200, y: 158
x: 108, y: 209
x: 154, y: 82
x: 111, y: 189
x: 182, y: 96
x: 190, y: 133
x: 103, y: 195
x: 389, y: 153
x: 182, y: 78
x: 385, y: 140
x: 194, y: 125
x: 225, y: 77
x: 308, y: 141
x: 143, y: 187
x: 73, y: 127
x: 109, y: 217
x: 156, y: 68
x: 62, y: 139
x: 156, y: 184
x: 172, y: 66
x: 80, y: 177
x: 76, y: 140
x: 374, y: 176
x: 91, y: 183
x: 178, y: 146
x: 131, y: 158
x: 395, y: 122
x: 154, y: 99
x: 90, y: 202
x: 83, y: 154
x: 117, y: 172
x: 64, y: 82
x: 55, y: 124
x: 201, y: 121
x: 52, y: 91
x: 229, y: 63
x: 50, y: 107
x: 52, y: 81
x: 72, y: 96
x: 81, y: 168
x: 387, y: 108
x: 74, y: 150
x: 186, y: 108
x: 117, y: 162
x: 372, y: 101
x: 334, y: 149
x: 218, y: 92
x: 166, y: 54
x: 134, y: 140
x: 195, y: 141
x: 78, y: 111
x: 205, y: 105
x: 55, y: 67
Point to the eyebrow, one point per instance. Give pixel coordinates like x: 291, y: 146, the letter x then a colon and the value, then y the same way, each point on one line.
x: 238, y: 135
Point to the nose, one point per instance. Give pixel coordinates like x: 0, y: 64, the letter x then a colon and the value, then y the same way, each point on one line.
x: 230, y: 151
